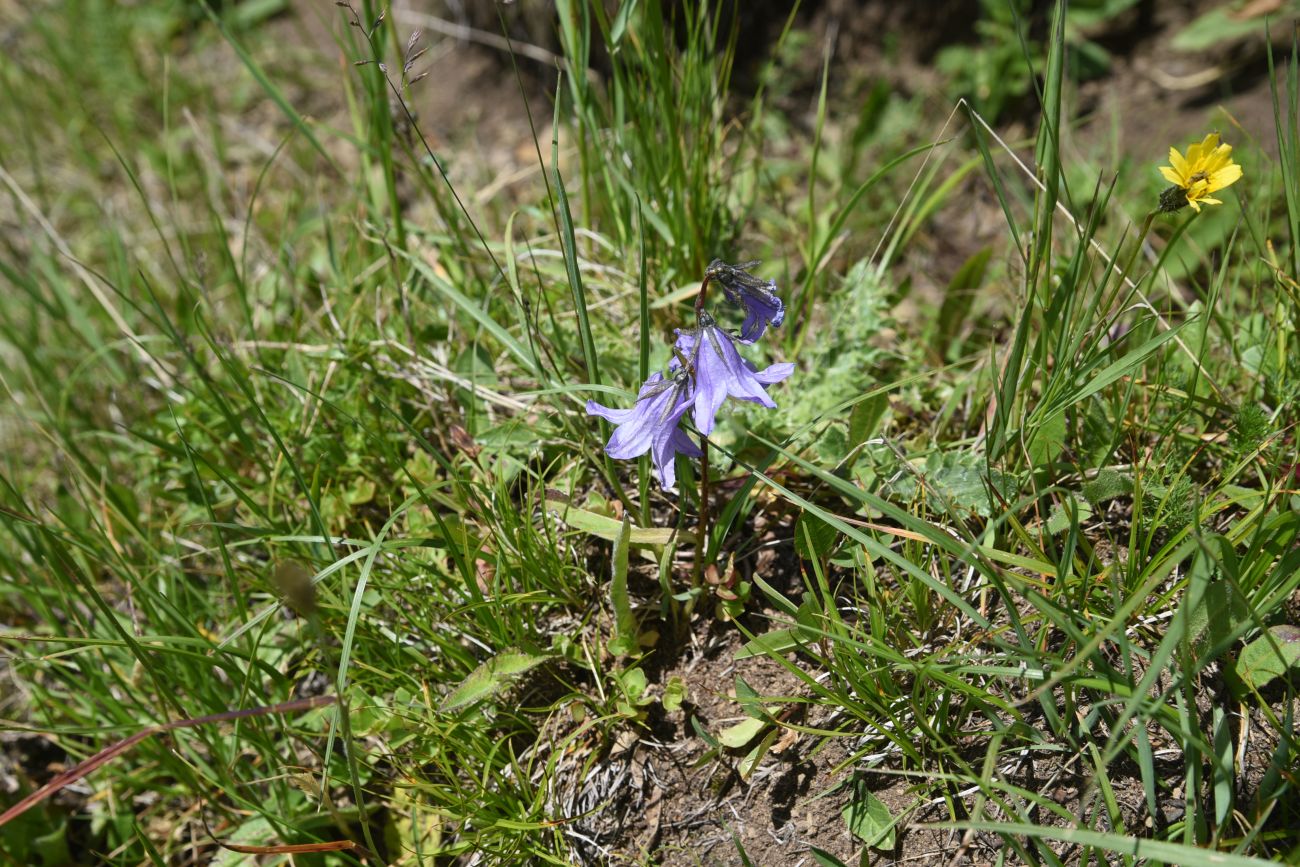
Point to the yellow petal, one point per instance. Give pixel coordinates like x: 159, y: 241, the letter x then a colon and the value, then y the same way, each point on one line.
x: 1206, y: 200
x: 1179, y: 165
x: 1171, y: 176
x: 1225, y: 176
x: 1195, y: 206
x: 1220, y: 157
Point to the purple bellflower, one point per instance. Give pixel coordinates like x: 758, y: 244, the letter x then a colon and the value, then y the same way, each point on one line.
x: 720, y: 372
x: 758, y: 297
x: 706, y: 370
x: 652, y: 425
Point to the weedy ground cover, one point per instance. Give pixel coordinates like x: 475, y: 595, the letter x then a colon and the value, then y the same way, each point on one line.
x: 312, y: 552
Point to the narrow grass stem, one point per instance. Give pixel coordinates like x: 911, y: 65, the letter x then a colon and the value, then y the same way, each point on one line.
x: 1137, y: 246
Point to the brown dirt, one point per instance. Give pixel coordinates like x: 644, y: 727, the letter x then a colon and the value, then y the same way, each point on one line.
x: 1162, y: 95
x: 783, y: 807
x: 674, y: 800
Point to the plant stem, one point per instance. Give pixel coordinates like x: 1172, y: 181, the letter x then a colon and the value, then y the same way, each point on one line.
x: 701, y: 542
x: 699, y: 299
x: 1137, y: 248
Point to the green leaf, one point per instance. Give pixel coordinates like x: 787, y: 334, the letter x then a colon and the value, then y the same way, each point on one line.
x: 272, y: 91
x: 362, y: 491
x: 962, y: 482
x: 1047, y: 151
x: 1215, y: 613
x: 813, y: 537
x: 1144, y: 848
x: 605, y: 527
x: 752, y: 759
x: 52, y: 846
x: 1096, y: 12
x: 741, y: 733
x: 775, y: 642
x: 489, y: 678
x: 1124, y: 366
x: 869, y: 820
x: 748, y: 698
x: 784, y: 605
x: 1047, y: 440
x: 470, y: 306
x: 569, y: 245
x: 837, y: 224
x: 1062, y: 515
x: 633, y: 682
x: 253, y: 12
x: 865, y: 417
x: 702, y: 733
x: 824, y: 858
x: 1222, y: 766
x: 624, y: 642
x: 674, y: 694
x: 1270, y: 656
x: 476, y: 366
x: 1097, y: 434
x: 619, y: 26
x: 254, y: 831
x: 833, y: 445
x: 1108, y: 485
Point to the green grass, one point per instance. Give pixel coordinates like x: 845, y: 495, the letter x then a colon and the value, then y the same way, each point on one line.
x: 289, y: 413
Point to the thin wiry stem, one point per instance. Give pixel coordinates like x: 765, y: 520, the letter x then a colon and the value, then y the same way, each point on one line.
x: 702, y: 540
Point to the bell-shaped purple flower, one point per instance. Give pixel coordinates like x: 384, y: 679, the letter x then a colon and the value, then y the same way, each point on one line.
x: 761, y: 310
x: 652, y: 425
x: 720, y: 372
x: 758, y: 297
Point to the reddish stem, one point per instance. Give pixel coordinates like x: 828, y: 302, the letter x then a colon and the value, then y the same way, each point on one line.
x: 701, y: 543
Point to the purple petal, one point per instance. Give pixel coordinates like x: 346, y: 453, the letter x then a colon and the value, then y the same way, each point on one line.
x: 664, y: 459
x: 652, y: 425
x: 727, y: 365
x: 637, y: 426
x: 685, y: 344
x: 720, y: 372
x: 710, y: 391
x: 630, y: 440
x: 636, y: 435
x: 686, y: 445
x: 759, y: 312
x: 775, y: 373
x: 617, y: 416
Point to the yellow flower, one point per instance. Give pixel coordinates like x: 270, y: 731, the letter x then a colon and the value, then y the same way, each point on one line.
x: 1207, y: 168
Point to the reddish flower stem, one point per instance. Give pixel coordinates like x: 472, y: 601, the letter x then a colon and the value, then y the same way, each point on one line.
x: 701, y: 543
